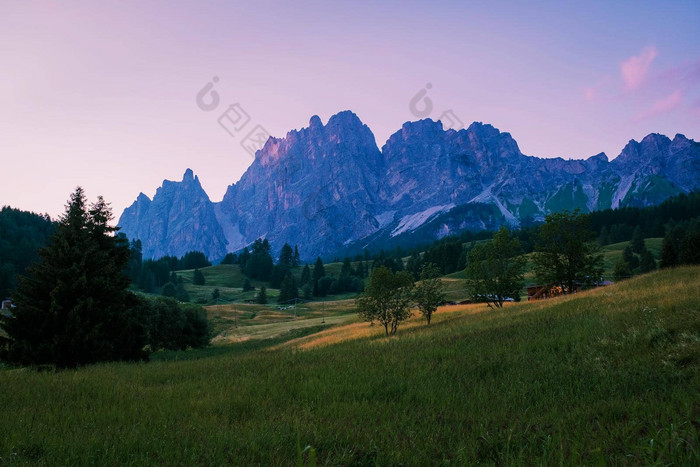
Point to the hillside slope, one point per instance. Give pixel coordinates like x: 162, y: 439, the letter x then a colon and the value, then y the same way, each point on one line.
x: 611, y: 375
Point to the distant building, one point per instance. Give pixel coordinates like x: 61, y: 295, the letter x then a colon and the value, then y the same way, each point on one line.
x: 539, y: 292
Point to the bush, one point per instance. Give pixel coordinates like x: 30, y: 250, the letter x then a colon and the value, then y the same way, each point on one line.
x: 177, y: 327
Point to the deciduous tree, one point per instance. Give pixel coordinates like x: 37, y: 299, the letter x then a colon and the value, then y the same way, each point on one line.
x: 387, y: 298
x: 495, y: 269
x: 566, y: 253
x: 430, y: 291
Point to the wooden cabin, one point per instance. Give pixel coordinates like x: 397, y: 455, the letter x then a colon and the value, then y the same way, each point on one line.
x: 539, y: 292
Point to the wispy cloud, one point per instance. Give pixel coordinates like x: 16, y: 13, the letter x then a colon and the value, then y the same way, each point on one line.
x: 589, y: 93
x: 662, y: 106
x: 634, y: 70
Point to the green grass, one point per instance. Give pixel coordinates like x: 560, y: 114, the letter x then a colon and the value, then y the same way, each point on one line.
x: 607, y: 376
x: 613, y: 253
x: 228, y: 278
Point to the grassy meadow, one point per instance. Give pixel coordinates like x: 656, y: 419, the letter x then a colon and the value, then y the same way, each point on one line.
x: 228, y: 278
x: 606, y: 376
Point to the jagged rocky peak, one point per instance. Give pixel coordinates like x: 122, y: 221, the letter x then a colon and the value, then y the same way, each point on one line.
x: 189, y: 178
x: 346, y: 127
x: 598, y: 162
x: 423, y: 127
x: 315, y: 122
x: 652, y: 146
x: 180, y: 218
x: 324, y: 187
x: 142, y: 198
x: 600, y: 157
x: 484, y: 135
x: 680, y: 142
x: 314, y: 141
x: 419, y: 135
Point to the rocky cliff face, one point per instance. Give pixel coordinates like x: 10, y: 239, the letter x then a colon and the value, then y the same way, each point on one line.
x: 180, y: 218
x: 316, y: 186
x: 328, y: 187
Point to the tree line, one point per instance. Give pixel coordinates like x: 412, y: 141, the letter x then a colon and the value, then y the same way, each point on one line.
x: 22, y: 233
x: 257, y: 263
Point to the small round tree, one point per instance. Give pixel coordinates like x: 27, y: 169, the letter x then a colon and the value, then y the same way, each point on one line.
x: 387, y: 298
x: 429, y: 293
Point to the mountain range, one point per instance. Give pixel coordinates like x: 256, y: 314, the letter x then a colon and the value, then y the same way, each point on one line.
x: 329, y: 188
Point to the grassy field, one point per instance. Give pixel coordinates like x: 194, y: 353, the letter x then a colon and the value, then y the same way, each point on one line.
x: 228, y: 278
x: 241, y: 322
x: 606, y: 376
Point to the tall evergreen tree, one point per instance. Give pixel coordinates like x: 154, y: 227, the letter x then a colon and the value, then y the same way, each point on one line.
x: 261, y: 298
x: 637, y: 243
x: 319, y: 269
x: 296, y: 260
x: 690, y: 247
x: 318, y: 273
x: 243, y: 258
x: 669, y: 255
x: 72, y: 307
x: 630, y: 258
x: 198, y: 277
x: 346, y: 268
x: 230, y: 258
x: 305, y: 275
x: 259, y: 265
x: 286, y: 256
x: 289, y: 290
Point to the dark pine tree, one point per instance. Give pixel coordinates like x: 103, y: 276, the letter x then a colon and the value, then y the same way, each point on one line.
x: 296, y: 260
x: 305, y: 275
x: 318, y: 273
x: 198, y: 277
x: 286, y: 256
x: 647, y: 263
x: 630, y: 258
x: 262, y: 296
x: 72, y: 308
x: 230, y: 258
x: 288, y: 291
x: 669, y: 255
x: 243, y: 258
x: 637, y: 242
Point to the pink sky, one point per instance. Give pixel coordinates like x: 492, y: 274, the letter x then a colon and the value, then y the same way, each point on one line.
x: 102, y: 94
